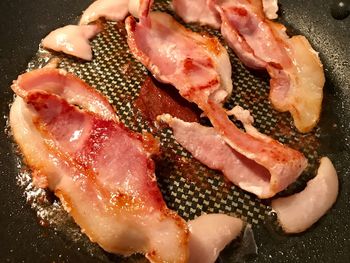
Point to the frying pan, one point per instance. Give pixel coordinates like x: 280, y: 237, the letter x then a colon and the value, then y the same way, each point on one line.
x: 23, y: 239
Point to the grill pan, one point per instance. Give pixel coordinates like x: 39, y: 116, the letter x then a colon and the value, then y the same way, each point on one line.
x: 33, y: 225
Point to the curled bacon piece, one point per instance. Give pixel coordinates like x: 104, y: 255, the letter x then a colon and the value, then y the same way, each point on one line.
x: 72, y: 40
x: 100, y: 170
x: 212, y: 149
x: 298, y: 212
x: 209, y: 234
x: 295, y: 69
x: 270, y: 8
x: 114, y: 10
x: 67, y: 86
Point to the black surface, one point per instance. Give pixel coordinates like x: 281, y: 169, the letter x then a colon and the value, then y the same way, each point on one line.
x: 22, y: 25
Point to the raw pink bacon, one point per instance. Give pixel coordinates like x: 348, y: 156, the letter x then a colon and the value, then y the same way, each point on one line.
x: 209, y: 234
x: 72, y: 40
x: 206, y: 12
x: 207, y: 146
x: 175, y: 55
x: 114, y: 10
x: 244, y: 21
x: 100, y: 170
x: 210, y: 148
x: 299, y: 211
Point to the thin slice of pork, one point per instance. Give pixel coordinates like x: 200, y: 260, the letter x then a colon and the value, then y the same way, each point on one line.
x: 205, y: 11
x: 296, y: 72
x: 190, y: 62
x: 298, y: 212
x: 67, y: 86
x: 209, y: 234
x: 211, y: 149
x: 72, y: 40
x: 101, y: 172
x: 202, y: 11
x: 179, y: 56
x: 113, y: 10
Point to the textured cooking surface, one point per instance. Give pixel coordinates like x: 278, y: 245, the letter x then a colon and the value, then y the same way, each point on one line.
x: 187, y: 186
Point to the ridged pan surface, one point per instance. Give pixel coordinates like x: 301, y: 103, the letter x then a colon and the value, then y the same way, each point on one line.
x: 189, y: 187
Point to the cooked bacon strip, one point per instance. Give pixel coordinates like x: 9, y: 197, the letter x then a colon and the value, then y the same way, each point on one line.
x: 298, y: 212
x: 67, y: 86
x: 113, y: 10
x: 296, y: 72
x: 101, y: 172
x: 72, y: 40
x: 201, y: 11
x: 179, y: 56
x: 237, y: 42
x: 210, y: 148
x: 303, y: 97
x: 209, y: 234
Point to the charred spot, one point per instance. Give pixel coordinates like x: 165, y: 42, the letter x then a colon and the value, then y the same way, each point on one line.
x: 150, y: 143
x: 132, y: 23
x: 276, y: 65
x: 189, y: 65
x: 240, y: 11
x: 193, y: 90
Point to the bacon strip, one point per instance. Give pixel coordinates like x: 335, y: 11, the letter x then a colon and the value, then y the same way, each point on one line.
x: 284, y: 164
x: 209, y: 234
x: 114, y: 10
x: 205, y: 11
x: 210, y: 148
x: 295, y: 69
x: 169, y: 50
x: 67, y: 86
x: 298, y: 212
x: 101, y: 172
x: 72, y: 40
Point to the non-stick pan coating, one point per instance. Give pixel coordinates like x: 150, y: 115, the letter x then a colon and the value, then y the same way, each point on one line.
x: 24, y: 23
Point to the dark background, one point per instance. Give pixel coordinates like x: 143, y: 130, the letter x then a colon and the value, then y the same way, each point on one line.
x: 24, y: 23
